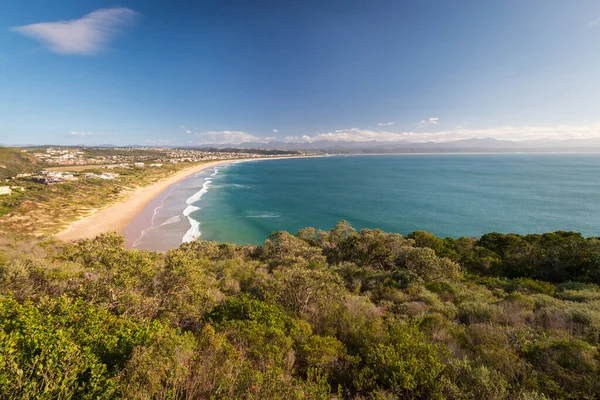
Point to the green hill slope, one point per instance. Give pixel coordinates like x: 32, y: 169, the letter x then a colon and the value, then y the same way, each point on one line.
x: 14, y: 161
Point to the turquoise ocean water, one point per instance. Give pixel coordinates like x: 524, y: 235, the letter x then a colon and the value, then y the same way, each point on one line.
x: 449, y: 195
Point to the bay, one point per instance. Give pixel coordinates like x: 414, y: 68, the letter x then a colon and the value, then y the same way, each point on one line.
x: 447, y: 194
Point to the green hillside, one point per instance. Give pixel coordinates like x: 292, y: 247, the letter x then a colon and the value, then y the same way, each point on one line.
x: 319, y: 315
x: 14, y: 161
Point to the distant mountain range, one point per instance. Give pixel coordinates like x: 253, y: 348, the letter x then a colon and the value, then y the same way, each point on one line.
x: 484, y: 145
x: 465, y: 145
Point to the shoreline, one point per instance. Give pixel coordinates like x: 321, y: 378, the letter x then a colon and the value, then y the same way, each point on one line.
x: 117, y: 217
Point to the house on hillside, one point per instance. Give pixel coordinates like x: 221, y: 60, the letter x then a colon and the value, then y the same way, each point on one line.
x: 47, y: 180
x: 5, y: 190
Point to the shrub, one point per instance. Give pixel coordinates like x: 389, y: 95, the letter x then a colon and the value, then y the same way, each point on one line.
x: 475, y: 312
x: 325, y: 353
x: 528, y: 285
x: 571, y: 364
x: 476, y: 382
x: 405, y: 365
x: 580, y: 296
x: 66, y: 349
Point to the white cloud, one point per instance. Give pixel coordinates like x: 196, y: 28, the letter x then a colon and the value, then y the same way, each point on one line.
x: 229, y: 137
x: 81, y: 133
x: 275, y: 130
x: 188, y: 131
x: 514, y: 133
x: 385, y: 123
x: 427, y: 122
x: 304, y: 138
x: 87, y: 35
x: 593, y: 23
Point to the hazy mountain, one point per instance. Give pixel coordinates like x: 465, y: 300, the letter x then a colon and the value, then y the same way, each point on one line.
x: 464, y: 145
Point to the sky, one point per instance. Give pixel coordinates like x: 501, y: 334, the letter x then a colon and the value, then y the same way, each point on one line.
x: 230, y: 71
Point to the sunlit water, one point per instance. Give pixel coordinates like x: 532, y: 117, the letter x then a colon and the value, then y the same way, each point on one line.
x: 449, y: 195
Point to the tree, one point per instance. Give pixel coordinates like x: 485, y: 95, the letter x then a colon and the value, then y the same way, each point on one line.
x: 305, y: 292
x: 283, y: 249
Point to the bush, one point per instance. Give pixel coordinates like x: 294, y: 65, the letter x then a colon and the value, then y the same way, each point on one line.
x: 405, y: 365
x: 580, y: 296
x: 475, y: 312
x: 475, y: 382
x: 571, y: 364
x: 65, y: 349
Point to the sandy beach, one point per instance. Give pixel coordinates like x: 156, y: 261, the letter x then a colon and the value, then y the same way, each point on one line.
x: 117, y: 216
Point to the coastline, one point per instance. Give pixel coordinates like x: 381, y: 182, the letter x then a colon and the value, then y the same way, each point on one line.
x: 116, y: 217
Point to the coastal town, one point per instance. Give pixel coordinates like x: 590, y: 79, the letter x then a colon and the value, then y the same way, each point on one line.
x: 124, y: 156
x: 67, y: 164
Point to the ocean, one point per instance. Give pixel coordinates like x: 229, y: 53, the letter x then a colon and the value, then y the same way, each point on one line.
x: 447, y: 194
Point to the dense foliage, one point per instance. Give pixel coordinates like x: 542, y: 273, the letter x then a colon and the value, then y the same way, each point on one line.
x: 316, y: 315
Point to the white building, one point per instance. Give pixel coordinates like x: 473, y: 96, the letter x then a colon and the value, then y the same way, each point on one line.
x: 5, y: 190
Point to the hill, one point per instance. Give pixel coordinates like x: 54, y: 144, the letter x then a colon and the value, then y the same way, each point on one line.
x: 16, y: 161
x: 317, y: 315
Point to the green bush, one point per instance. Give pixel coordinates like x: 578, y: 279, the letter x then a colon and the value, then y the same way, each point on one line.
x: 475, y: 312
x: 65, y: 349
x: 405, y: 365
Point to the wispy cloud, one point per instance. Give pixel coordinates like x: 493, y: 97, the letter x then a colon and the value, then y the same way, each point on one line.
x: 87, y: 35
x: 514, y: 133
x: 593, y: 23
x: 427, y: 122
x: 82, y: 133
x: 186, y: 129
x: 385, y: 123
x: 275, y: 130
x: 229, y: 137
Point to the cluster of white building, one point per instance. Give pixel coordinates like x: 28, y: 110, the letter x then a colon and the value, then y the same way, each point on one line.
x: 104, y: 175
x: 6, y: 190
x: 50, y: 177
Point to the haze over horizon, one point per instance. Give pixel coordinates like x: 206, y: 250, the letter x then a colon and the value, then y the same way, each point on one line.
x: 229, y: 72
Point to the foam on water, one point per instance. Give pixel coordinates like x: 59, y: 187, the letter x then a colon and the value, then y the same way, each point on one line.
x: 265, y: 215
x: 194, y: 232
x: 171, y: 220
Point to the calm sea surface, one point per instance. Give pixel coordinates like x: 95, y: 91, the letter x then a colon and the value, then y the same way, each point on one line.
x: 449, y: 195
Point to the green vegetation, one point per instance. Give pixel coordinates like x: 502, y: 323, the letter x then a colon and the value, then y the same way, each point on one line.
x: 15, y: 161
x: 316, y: 315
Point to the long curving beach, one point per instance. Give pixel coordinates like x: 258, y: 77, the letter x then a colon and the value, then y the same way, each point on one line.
x: 117, y: 216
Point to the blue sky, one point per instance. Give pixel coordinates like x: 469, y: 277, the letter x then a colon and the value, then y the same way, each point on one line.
x: 227, y: 71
